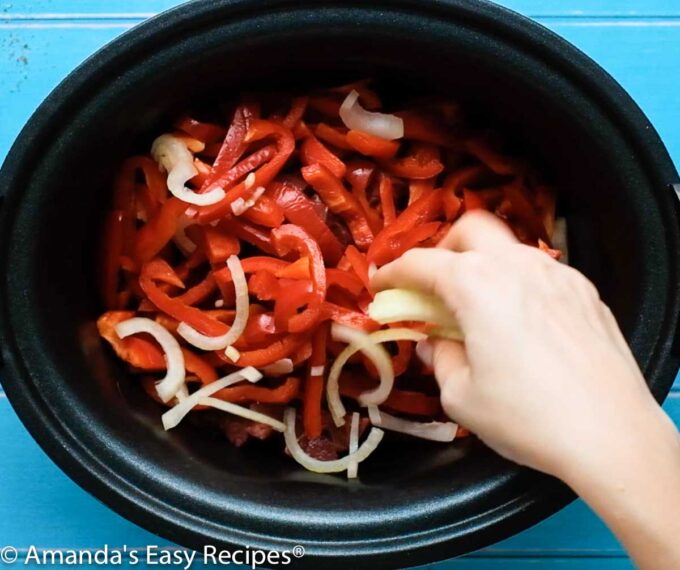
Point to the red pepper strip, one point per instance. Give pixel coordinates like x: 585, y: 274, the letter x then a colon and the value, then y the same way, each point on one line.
x: 291, y: 237
x: 438, y: 236
x: 154, y: 191
x: 252, y: 265
x: 264, y: 286
x: 345, y: 316
x: 313, y: 394
x: 234, y: 144
x: 418, y: 235
x: 418, y: 188
x: 112, y: 249
x: 387, y: 243
x: 359, y: 264
x: 219, y: 246
x: 340, y: 201
x: 423, y: 162
x: 420, y: 127
x: 386, y: 191
x: 198, y: 293
x: 282, y: 394
x: 265, y: 212
x: 345, y: 280
x: 301, y: 354
x: 326, y: 105
x: 281, y: 348
x: 524, y: 210
x: 190, y: 263
x: 240, y: 170
x: 205, y: 132
x: 263, y: 176
x: 360, y: 175
x: 302, y: 212
x: 463, y: 178
x: 174, y: 306
x: 292, y: 295
x: 251, y: 233
x: 473, y: 201
x: 333, y: 136
x: 370, y: 145
x: 153, y: 236
x: 297, y: 110
x: 452, y: 205
x: 404, y: 401
x: 402, y: 359
x: 497, y: 162
x: 204, y: 170
x: 296, y: 270
x: 259, y: 330
x: 313, y: 151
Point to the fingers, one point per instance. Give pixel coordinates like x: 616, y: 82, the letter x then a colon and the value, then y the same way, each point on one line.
x: 478, y: 230
x: 451, y: 369
x: 420, y: 269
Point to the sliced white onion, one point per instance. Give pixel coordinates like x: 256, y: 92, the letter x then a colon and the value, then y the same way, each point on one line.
x: 175, y: 414
x: 249, y: 181
x: 204, y: 342
x: 317, y: 466
x: 243, y: 412
x: 174, y: 156
x: 278, y: 368
x: 317, y: 370
x: 232, y: 353
x: 381, y: 125
x: 369, y: 344
x: 219, y: 303
x: 173, y: 380
x: 396, y: 305
x: 239, y: 206
x: 353, y: 466
x: 181, y: 239
x: 434, y: 431
x: 559, y: 239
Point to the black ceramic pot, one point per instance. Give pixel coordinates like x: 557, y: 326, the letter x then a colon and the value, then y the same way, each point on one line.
x: 415, y: 503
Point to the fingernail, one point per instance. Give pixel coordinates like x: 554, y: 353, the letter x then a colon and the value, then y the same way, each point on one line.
x: 425, y: 351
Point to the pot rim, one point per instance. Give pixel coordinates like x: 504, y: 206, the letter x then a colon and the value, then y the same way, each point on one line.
x: 90, y: 472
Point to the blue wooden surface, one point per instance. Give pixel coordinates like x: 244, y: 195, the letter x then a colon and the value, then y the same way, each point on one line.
x: 637, y: 41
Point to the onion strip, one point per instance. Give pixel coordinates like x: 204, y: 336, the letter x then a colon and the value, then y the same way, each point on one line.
x: 175, y: 414
x: 317, y: 466
x: 173, y: 381
x: 434, y: 431
x: 369, y: 345
x: 204, y: 342
x: 172, y: 153
x: 357, y: 118
x: 243, y: 412
x: 353, y: 466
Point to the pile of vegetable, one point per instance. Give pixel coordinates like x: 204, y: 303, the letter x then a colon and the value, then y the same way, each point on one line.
x: 236, y: 262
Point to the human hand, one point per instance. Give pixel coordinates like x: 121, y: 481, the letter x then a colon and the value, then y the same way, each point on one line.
x: 545, y: 376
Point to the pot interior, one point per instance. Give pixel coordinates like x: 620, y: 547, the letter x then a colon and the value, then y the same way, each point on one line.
x: 407, y: 485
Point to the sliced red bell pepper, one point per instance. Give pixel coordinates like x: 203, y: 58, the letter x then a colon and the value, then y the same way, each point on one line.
x: 297, y: 110
x: 418, y: 188
x: 218, y: 244
x: 174, y: 307
x: 403, y: 401
x: 313, y: 151
x: 499, y: 163
x: 259, y: 130
x: 340, y: 201
x: 153, y: 236
x: 419, y: 234
x: 387, y: 205
x: 332, y: 135
x: 290, y: 237
x: 301, y: 211
x: 462, y: 178
x: 424, y: 128
x: 264, y: 286
x: 311, y: 400
x: 345, y: 280
x: 297, y: 270
x: 348, y: 317
x: 198, y: 293
x: 360, y: 176
x: 370, y: 145
x: 278, y: 349
x: 282, y: 394
x: 473, y: 201
x: 329, y: 106
x: 255, y: 235
x: 359, y: 264
x: 239, y: 171
x: 205, y: 132
x: 291, y: 296
x: 524, y: 210
x: 387, y: 243
x: 265, y: 212
x: 423, y: 162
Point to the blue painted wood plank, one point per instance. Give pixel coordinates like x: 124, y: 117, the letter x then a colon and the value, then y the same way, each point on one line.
x: 534, y: 8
